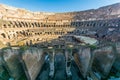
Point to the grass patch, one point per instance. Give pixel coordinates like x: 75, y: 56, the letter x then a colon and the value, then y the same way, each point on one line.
x: 24, y: 48
x: 92, y: 46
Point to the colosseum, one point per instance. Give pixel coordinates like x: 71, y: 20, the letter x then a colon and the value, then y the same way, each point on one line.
x: 81, y: 45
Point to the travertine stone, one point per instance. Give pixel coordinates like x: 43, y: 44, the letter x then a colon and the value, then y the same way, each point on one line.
x: 104, y: 59
x: 33, y: 59
x: 12, y: 63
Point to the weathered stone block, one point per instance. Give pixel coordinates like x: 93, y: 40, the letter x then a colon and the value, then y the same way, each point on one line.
x: 12, y: 63
x: 33, y: 59
x: 82, y: 59
x: 117, y: 61
x: 3, y: 72
x: 103, y: 61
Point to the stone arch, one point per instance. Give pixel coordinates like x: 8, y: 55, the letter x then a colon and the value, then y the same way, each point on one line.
x: 104, y: 24
x: 23, y: 32
x: 16, y: 24
x: 9, y: 25
x: 13, y: 35
x: 101, y: 24
x: 10, y: 22
x: 3, y: 35
x: 8, y: 37
x: 19, y: 24
x: 94, y: 24
x: 4, y: 26
x: 32, y: 24
x: 38, y: 24
x: 87, y: 24
x: 23, y: 24
x: 26, y: 24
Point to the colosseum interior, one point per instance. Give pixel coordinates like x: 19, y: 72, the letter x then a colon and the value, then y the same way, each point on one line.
x: 81, y: 45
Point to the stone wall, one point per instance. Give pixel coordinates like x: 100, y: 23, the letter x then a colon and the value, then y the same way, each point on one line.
x: 12, y: 63
x: 33, y: 59
x: 27, y: 62
x: 17, y: 32
x: 104, y: 58
x: 83, y: 59
x: 21, y: 65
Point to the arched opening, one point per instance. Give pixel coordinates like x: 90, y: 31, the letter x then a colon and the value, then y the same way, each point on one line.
x: 3, y: 35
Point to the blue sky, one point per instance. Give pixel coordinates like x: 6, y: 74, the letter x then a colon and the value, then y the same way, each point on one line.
x: 58, y: 5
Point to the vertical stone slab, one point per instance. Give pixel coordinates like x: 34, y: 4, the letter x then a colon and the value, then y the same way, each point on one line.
x: 82, y: 59
x: 117, y: 61
x: 3, y: 72
x: 103, y: 61
x: 33, y: 59
x: 12, y: 63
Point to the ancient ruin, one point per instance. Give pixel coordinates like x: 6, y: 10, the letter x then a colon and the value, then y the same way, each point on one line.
x: 84, y: 45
